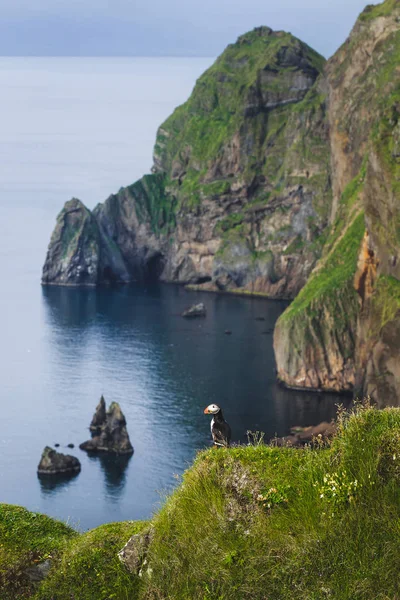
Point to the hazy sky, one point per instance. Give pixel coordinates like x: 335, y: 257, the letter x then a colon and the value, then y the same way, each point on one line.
x: 165, y: 27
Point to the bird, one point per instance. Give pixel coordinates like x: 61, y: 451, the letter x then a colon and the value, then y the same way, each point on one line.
x: 220, y: 429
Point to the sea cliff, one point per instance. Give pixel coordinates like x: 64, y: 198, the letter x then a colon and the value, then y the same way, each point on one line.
x: 335, y: 335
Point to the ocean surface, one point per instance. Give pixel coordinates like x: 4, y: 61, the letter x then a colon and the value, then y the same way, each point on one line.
x: 85, y: 127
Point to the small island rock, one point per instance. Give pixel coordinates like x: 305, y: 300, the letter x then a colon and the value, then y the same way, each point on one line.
x: 112, y: 436
x: 197, y: 310
x: 55, y: 463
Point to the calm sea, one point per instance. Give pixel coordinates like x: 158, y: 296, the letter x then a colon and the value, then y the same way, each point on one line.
x: 85, y: 127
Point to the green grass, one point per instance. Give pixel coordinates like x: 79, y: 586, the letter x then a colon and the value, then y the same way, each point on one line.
x: 250, y: 522
x: 90, y: 569
x: 334, y: 276
x: 279, y: 524
x: 373, y: 11
x: 195, y: 135
x: 153, y: 203
x: 26, y: 538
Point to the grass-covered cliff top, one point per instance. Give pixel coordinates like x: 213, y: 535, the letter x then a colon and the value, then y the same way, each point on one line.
x: 373, y: 11
x: 253, y: 522
x: 261, y: 72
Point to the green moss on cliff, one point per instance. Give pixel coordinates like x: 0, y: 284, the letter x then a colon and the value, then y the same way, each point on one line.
x: 153, y: 203
x: 385, y: 303
x: 373, y: 11
x: 75, y: 223
x: 334, y: 275
x: 386, y: 142
x: 225, y: 114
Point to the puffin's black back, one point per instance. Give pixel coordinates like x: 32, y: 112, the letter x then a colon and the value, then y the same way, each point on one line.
x: 221, y: 431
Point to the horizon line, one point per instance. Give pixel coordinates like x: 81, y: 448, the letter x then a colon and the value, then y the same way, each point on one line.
x: 106, y: 56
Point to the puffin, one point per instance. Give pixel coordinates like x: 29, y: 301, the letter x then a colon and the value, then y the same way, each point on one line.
x: 220, y: 430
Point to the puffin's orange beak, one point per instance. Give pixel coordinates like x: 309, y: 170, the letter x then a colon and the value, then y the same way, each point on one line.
x: 206, y: 411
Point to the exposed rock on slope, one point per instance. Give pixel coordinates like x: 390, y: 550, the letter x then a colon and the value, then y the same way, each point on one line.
x: 240, y: 191
x: 79, y: 253
x: 342, y: 331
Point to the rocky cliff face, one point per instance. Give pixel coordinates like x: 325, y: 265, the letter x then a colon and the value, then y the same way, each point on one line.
x: 79, y: 252
x: 341, y: 332
x: 240, y: 193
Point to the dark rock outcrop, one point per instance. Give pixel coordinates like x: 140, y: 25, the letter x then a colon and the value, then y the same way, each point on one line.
x: 80, y: 253
x: 133, y: 554
x: 36, y: 573
x: 55, y: 463
x: 197, y: 310
x: 112, y: 436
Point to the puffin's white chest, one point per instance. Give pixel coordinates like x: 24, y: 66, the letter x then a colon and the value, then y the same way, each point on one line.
x: 212, y: 424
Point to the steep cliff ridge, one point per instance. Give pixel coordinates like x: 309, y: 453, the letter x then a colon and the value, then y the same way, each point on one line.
x: 335, y: 335
x: 79, y: 253
x: 247, y: 159
x: 240, y: 191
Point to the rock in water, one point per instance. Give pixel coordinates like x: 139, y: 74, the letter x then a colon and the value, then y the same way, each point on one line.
x: 197, y: 310
x: 55, y: 463
x: 112, y: 436
x: 99, y: 417
x: 73, y: 254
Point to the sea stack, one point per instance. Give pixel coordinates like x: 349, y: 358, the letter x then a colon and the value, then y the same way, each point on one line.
x: 109, y: 432
x: 55, y: 463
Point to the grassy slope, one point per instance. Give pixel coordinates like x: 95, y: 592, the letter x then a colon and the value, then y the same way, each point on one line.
x: 195, y: 134
x: 252, y: 522
x: 272, y: 523
x: 90, y: 569
x: 26, y: 539
x: 214, y: 111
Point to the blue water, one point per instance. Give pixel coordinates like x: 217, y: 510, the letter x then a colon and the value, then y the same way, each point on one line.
x: 84, y: 127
